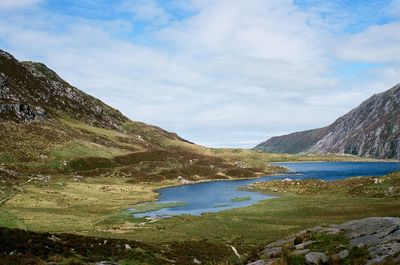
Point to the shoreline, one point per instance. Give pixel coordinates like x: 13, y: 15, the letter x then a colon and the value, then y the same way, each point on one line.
x: 252, y: 189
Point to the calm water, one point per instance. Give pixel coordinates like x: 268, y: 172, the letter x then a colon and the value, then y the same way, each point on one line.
x: 215, y: 196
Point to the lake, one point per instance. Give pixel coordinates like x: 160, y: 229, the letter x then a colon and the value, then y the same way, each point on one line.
x: 215, y: 196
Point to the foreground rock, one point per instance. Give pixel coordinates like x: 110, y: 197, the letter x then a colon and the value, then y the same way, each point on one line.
x: 374, y: 240
x: 315, y: 258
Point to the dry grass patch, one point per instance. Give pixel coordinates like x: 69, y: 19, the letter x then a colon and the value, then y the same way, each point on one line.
x: 67, y: 206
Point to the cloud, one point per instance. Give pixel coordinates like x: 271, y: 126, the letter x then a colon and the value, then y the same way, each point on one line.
x: 17, y: 4
x: 145, y: 10
x: 378, y: 43
x: 226, y: 73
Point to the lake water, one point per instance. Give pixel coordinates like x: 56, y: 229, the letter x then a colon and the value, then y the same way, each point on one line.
x: 215, y: 196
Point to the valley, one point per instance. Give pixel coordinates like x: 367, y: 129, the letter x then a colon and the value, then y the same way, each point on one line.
x: 72, y: 168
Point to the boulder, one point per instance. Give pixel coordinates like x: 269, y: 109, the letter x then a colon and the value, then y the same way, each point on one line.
x: 196, y: 261
x: 344, y: 254
x: 316, y: 258
x: 272, y: 252
x: 303, y: 245
x: 301, y: 252
x: 258, y: 262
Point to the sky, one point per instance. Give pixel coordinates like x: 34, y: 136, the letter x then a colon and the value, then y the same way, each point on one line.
x: 221, y: 73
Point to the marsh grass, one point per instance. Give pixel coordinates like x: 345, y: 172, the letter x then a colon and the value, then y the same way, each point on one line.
x: 153, y: 206
x: 240, y: 199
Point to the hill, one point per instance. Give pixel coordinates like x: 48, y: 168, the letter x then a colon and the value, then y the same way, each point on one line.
x: 48, y: 126
x: 370, y: 130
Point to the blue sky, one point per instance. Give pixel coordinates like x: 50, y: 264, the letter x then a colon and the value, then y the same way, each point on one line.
x: 218, y: 72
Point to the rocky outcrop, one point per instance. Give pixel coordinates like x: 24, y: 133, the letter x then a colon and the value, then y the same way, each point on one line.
x: 31, y: 91
x: 370, y: 130
x: 381, y: 236
x: 12, y: 108
x: 372, y: 240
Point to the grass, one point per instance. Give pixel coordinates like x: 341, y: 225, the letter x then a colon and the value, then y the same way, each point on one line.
x: 388, y: 186
x: 153, y: 206
x: 79, y: 207
x: 328, y: 243
x: 256, y: 158
x: 99, y: 207
x: 5, y: 158
x: 73, y: 150
x: 240, y: 199
x: 10, y: 220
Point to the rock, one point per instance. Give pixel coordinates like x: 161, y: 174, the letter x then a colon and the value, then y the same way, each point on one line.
x: 301, y: 251
x: 258, y: 262
x: 390, y: 190
x: 272, y: 252
x: 287, y: 180
x: 378, y: 181
x: 303, y: 245
x: 106, y: 263
x: 127, y: 247
x: 196, y: 261
x: 344, y: 254
x: 77, y: 178
x: 340, y: 247
x: 381, y: 235
x: 54, y: 238
x: 316, y: 258
x: 235, y: 252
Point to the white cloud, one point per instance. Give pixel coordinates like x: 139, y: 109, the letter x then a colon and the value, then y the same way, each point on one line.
x: 233, y: 73
x: 377, y: 44
x: 13, y: 4
x: 146, y: 10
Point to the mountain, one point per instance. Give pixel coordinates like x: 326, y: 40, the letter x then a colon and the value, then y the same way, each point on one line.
x: 49, y: 126
x: 370, y: 130
x: 31, y: 91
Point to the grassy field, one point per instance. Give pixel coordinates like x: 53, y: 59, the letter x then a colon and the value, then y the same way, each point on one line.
x: 100, y: 207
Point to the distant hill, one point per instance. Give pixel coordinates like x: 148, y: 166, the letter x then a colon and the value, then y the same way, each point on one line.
x: 370, y: 130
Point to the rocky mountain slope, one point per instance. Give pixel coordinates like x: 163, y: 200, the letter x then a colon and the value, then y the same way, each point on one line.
x: 370, y: 130
x: 30, y: 91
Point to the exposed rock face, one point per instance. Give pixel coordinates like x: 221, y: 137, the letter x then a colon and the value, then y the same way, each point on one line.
x: 31, y: 91
x: 380, y: 236
x: 370, y: 130
x: 12, y: 107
